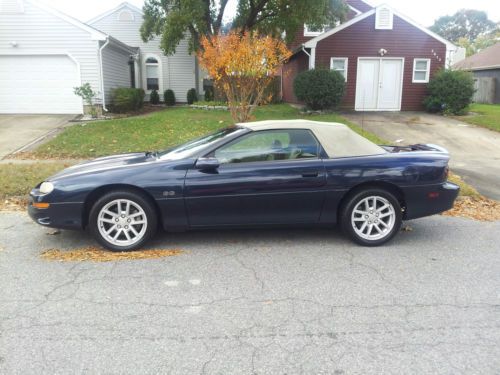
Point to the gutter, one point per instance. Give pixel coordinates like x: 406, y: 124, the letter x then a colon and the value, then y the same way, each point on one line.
x: 102, y: 75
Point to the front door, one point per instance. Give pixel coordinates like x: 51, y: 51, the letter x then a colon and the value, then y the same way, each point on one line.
x: 379, y: 84
x: 264, y: 177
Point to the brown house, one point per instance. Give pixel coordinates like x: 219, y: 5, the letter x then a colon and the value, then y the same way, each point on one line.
x: 386, y: 58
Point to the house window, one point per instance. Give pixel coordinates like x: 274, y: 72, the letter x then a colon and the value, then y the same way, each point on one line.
x: 421, y: 69
x: 383, y: 18
x: 310, y: 31
x: 125, y: 15
x: 340, y: 65
x: 152, y: 74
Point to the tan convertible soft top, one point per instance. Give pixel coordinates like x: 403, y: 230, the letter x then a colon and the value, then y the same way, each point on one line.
x: 338, y: 140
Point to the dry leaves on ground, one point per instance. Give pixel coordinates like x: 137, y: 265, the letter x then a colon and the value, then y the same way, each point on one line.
x: 14, y: 204
x: 477, y: 208
x: 95, y: 254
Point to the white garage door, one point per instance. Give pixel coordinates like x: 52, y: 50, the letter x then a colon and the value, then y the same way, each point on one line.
x: 38, y: 84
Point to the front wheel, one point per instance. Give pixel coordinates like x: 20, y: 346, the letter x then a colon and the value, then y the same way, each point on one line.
x: 122, y: 220
x: 371, y: 217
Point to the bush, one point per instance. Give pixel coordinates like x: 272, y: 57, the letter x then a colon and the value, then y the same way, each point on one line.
x: 192, y: 96
x: 154, y: 98
x: 450, y: 92
x: 126, y: 99
x: 319, y: 88
x: 169, y: 97
x: 209, y: 93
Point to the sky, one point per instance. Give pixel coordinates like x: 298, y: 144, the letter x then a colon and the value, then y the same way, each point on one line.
x: 423, y: 12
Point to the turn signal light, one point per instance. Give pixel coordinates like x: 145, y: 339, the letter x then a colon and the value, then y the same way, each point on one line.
x: 41, y: 205
x: 433, y: 194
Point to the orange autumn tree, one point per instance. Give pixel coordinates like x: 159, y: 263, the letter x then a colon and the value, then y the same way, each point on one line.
x: 243, y: 66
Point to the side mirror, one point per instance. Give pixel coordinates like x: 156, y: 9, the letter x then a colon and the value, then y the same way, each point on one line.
x: 207, y: 163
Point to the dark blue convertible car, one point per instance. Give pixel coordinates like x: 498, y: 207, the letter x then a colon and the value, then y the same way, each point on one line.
x: 292, y: 172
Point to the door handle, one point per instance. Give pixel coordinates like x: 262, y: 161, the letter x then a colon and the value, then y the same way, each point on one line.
x: 311, y: 174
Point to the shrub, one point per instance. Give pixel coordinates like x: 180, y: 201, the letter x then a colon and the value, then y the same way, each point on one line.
x: 87, y: 94
x: 154, y: 98
x: 319, y: 88
x: 126, y: 99
x: 209, y: 93
x: 169, y: 97
x: 450, y: 92
x: 192, y: 96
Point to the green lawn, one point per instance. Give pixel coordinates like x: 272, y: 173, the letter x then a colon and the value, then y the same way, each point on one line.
x: 160, y: 130
x: 487, y: 115
x: 19, y: 179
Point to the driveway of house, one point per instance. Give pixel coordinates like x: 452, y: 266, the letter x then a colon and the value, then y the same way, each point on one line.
x: 289, y: 301
x: 17, y: 131
x: 474, y: 151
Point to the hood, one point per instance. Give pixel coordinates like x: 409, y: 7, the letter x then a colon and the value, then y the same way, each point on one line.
x: 106, y: 163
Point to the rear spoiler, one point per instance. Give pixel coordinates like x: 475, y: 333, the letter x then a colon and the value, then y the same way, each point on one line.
x: 415, y: 147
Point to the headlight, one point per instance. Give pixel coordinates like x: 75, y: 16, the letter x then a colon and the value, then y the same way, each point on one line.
x: 46, y: 187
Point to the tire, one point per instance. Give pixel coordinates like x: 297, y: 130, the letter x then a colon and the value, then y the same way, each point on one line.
x: 367, y: 226
x: 136, y: 223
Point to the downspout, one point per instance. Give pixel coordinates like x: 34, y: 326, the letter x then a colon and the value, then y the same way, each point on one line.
x: 102, y: 75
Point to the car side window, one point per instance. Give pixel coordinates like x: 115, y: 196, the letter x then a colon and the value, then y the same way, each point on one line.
x: 269, y: 145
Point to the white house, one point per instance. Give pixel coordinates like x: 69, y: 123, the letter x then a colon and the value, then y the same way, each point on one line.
x: 44, y: 54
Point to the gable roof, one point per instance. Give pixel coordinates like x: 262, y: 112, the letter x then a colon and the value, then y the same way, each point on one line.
x: 314, y: 41
x: 115, y: 9
x: 488, y: 58
x: 94, y: 33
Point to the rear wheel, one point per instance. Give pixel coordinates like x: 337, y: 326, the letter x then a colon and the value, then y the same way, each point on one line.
x: 371, y: 217
x: 123, y: 220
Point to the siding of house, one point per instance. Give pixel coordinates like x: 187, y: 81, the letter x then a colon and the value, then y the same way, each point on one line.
x: 116, y: 70
x: 177, y: 71
x: 38, y: 32
x: 362, y: 40
x: 298, y: 63
x: 491, y: 73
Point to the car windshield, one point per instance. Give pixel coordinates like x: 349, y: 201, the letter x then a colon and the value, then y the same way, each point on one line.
x: 192, y: 147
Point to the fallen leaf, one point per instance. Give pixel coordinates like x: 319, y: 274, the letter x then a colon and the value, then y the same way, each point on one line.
x: 407, y: 228
x: 94, y: 254
x: 53, y: 232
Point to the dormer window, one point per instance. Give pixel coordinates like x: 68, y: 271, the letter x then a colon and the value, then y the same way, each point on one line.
x: 125, y: 15
x: 310, y: 31
x: 383, y: 18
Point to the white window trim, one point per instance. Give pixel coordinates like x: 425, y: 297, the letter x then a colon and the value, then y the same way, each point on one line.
x: 346, y: 64
x: 160, y: 73
x: 307, y: 32
x: 427, y: 71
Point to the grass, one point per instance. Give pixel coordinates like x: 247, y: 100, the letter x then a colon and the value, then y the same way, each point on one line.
x: 487, y: 115
x: 160, y: 130
x: 465, y: 189
x: 19, y: 179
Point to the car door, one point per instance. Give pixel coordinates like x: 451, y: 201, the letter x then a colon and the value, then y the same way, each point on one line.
x: 264, y: 177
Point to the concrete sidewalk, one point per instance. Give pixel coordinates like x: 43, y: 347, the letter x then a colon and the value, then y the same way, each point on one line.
x: 18, y: 131
x: 474, y: 151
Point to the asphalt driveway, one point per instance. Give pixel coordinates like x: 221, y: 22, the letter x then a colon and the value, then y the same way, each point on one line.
x: 17, y: 131
x: 255, y: 302
x: 475, y: 151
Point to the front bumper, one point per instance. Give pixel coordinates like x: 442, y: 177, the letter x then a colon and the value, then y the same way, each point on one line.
x: 65, y: 215
x: 429, y: 200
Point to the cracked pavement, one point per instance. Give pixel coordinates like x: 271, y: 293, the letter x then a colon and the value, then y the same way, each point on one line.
x: 287, y: 301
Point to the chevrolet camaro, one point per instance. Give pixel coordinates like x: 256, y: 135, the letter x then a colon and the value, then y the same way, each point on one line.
x: 268, y: 173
